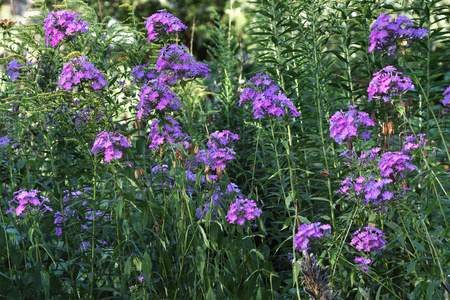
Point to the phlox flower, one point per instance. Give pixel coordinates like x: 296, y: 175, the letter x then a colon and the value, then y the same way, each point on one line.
x: 363, y: 263
x: 157, y: 96
x: 217, y: 155
x: 446, y: 95
x: 170, y: 133
x: 106, y: 141
x: 62, y: 25
x: 163, y: 23
x: 308, y: 231
x: 387, y: 83
x: 15, y: 67
x: 370, y: 238
x: 388, y: 33
x: 242, y: 210
x: 79, y: 70
x: 266, y: 98
x: 29, y: 201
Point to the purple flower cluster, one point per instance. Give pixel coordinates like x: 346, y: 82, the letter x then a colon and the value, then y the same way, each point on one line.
x: 368, y: 239
x: 363, y: 263
x: 387, y: 33
x: 80, y: 70
x: 242, y: 210
x: 375, y: 191
x: 217, y: 155
x: 86, y: 214
x: 306, y: 232
x: 170, y: 133
x: 214, y: 198
x: 62, y: 25
x: 414, y: 142
x: 163, y: 23
x: 266, y: 98
x: 387, y: 83
x: 446, y: 95
x: 14, y: 68
x: 106, y: 141
x: 4, y: 141
x: 26, y: 199
x: 175, y: 63
x: 157, y: 96
x: 345, y: 126
x: 142, y: 74
x: 394, y: 165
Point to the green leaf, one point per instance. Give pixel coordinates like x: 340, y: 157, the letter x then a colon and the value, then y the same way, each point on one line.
x: 21, y: 163
x: 147, y: 264
x: 200, y: 259
x: 128, y: 265
x: 210, y: 295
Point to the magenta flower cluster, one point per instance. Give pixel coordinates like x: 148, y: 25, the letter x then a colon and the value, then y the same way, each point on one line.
x: 388, y: 33
x: 142, y: 74
x: 213, y: 200
x: 344, y: 126
x: 163, y: 23
x: 218, y: 155
x: 175, y: 63
x: 242, y: 210
x: 395, y: 165
x: 78, y: 71
x: 63, y: 25
x: 15, y: 67
x: 307, y: 232
x: 446, y: 95
x: 371, y: 238
x: 110, y: 142
x: 170, y: 133
x: 157, y: 96
x: 266, y: 98
x: 28, y: 200
x: 387, y: 83
x: 363, y: 263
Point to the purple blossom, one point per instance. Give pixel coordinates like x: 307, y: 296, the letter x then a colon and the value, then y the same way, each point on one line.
x: 142, y: 74
x: 387, y: 33
x: 106, y: 141
x: 413, y: 142
x: 345, y: 126
x: 446, y: 95
x: 395, y: 165
x: 306, y: 232
x: 214, y: 198
x: 170, y: 133
x: 80, y: 70
x: 368, y: 239
x: 14, y: 68
x: 266, y: 98
x: 242, y: 210
x: 363, y: 263
x: 175, y: 63
x: 63, y: 25
x: 28, y: 200
x: 163, y: 23
x: 157, y: 96
x: 4, y: 141
x: 217, y: 155
x: 387, y: 84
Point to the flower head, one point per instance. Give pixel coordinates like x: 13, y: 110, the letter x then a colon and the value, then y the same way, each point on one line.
x: 306, y: 232
x: 345, y: 126
x: 175, y: 63
x: 242, y: 210
x: 363, y: 263
x: 15, y: 67
x: 29, y: 201
x: 388, y: 33
x: 368, y: 239
x: 106, y: 141
x: 62, y: 25
x: 446, y: 94
x: 266, y: 98
x: 387, y: 83
x: 157, y: 96
x: 170, y: 133
x: 163, y: 23
x: 142, y: 74
x: 217, y: 155
x: 78, y: 71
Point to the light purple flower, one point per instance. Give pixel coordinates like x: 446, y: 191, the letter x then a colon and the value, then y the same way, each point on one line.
x: 242, y: 210
x: 170, y: 133
x: 345, y: 126
x: 368, y: 239
x: 29, y: 201
x: 387, y: 84
x: 63, y: 25
x: 78, y: 71
x: 308, y: 231
x: 388, y: 33
x: 163, y: 23
x: 266, y: 98
x: 446, y: 95
x: 106, y: 141
x: 157, y: 96
x: 217, y: 155
x: 363, y: 263
x: 15, y: 68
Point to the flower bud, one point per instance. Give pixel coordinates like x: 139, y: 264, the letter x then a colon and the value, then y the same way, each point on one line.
x: 391, y: 128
